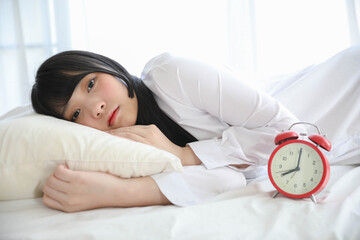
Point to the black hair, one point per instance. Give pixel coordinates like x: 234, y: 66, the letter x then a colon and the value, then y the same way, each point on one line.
x: 58, y: 76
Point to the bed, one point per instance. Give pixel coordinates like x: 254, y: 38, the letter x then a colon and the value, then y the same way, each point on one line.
x: 331, y: 89
x: 248, y: 213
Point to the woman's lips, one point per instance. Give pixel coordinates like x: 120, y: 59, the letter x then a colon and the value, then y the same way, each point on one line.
x: 113, y: 117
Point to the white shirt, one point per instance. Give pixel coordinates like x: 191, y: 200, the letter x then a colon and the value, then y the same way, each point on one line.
x: 234, y: 123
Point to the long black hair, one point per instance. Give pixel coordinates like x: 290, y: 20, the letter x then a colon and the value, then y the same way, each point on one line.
x: 58, y: 76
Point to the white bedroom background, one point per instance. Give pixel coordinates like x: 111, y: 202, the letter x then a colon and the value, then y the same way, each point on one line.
x: 253, y: 37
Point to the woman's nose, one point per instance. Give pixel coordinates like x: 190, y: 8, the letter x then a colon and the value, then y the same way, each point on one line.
x: 98, y: 108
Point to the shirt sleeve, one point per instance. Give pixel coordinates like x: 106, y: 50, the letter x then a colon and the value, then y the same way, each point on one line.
x: 198, y: 184
x: 253, y: 118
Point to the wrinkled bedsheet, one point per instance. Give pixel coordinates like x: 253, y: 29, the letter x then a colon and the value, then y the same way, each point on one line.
x: 246, y: 213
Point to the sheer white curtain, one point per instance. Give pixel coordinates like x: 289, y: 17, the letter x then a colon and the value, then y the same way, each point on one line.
x: 353, y: 13
x: 30, y: 31
x: 279, y: 36
x: 254, y: 37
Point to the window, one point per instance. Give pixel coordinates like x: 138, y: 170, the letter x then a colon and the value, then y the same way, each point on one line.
x: 254, y: 37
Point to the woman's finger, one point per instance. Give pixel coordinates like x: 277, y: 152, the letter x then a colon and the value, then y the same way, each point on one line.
x: 141, y: 130
x: 63, y: 173
x: 58, y: 184
x: 48, y: 201
x: 132, y: 136
x: 129, y: 128
x: 54, y: 198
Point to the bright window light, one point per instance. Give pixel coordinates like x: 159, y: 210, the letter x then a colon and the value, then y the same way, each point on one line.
x: 134, y: 31
x: 293, y: 34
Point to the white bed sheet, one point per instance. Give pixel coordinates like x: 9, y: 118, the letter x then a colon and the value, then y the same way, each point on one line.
x: 246, y: 213
x: 328, y: 95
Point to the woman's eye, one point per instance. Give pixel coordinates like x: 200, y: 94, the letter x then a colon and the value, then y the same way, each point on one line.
x: 90, y: 85
x: 75, y: 115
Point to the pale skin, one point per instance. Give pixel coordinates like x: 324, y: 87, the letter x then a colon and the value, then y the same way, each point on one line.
x: 101, y: 101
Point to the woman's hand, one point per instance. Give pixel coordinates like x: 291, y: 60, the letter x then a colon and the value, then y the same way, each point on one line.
x: 151, y: 135
x: 72, y: 191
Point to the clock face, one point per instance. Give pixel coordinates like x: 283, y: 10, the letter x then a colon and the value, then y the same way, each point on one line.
x: 297, y: 168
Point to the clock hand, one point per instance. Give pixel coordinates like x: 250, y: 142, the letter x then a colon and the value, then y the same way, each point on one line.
x: 284, y: 170
x: 297, y: 167
x: 298, y: 163
x: 290, y: 171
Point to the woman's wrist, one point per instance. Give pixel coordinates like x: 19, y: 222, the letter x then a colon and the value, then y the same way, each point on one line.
x: 188, y: 157
x: 136, y: 192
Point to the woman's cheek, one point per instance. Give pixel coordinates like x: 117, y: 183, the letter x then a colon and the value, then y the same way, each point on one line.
x: 91, y: 123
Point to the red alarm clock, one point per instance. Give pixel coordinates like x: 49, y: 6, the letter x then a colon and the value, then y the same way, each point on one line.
x: 297, y: 168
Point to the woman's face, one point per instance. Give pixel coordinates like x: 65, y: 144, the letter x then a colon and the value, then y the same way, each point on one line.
x: 101, y: 101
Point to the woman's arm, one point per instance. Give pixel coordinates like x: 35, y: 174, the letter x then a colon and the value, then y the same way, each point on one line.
x: 152, y: 135
x: 72, y: 191
x: 234, y: 122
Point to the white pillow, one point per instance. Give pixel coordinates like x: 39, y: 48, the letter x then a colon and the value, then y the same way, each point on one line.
x: 32, y: 145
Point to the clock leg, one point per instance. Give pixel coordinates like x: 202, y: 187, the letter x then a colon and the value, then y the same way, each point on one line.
x: 312, y: 197
x: 275, y: 194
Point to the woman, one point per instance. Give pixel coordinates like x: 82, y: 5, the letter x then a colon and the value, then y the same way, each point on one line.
x: 221, y: 129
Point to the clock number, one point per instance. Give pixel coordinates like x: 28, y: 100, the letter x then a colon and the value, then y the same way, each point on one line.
x: 315, y: 171
x: 287, y: 181
x: 280, y: 165
x: 291, y: 153
x: 312, y: 179
x: 314, y: 162
x: 295, y: 185
x: 284, y: 158
x: 304, y: 185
